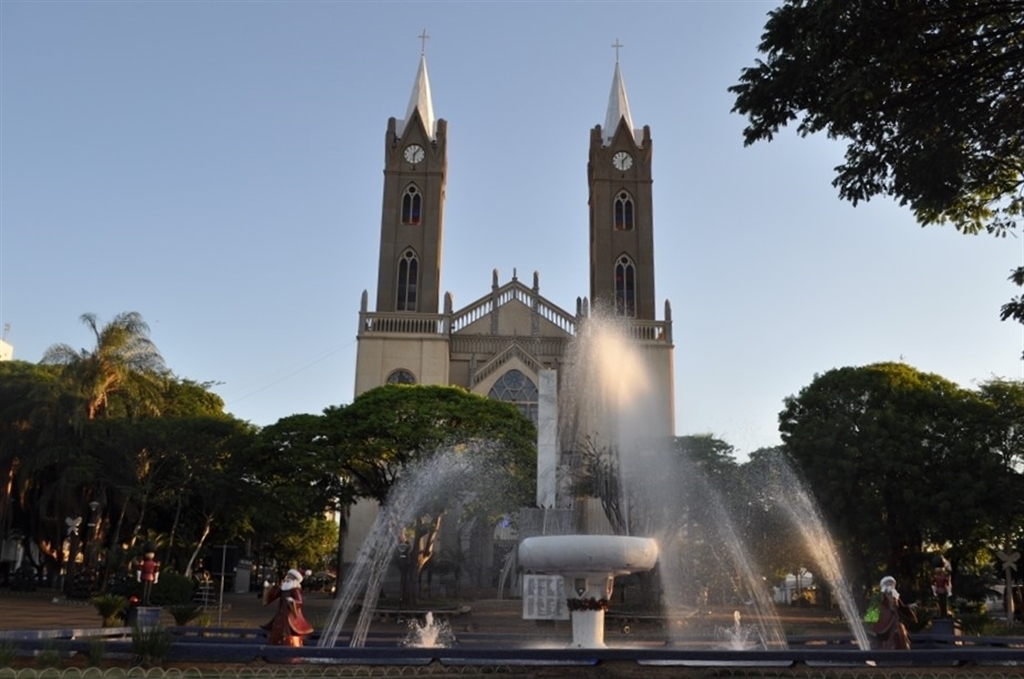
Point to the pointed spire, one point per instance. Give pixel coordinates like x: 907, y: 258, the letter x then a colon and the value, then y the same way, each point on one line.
x: 420, y: 99
x: 618, y: 102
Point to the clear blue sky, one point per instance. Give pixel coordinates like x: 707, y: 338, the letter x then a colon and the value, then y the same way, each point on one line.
x: 217, y: 167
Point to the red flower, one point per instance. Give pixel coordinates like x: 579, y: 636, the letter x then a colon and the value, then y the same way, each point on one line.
x: 590, y: 604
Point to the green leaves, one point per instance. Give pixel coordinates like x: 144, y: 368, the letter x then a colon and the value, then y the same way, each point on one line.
x: 388, y: 428
x: 929, y: 96
x: 908, y: 456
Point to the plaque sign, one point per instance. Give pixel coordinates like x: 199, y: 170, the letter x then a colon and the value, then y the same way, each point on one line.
x: 544, y: 598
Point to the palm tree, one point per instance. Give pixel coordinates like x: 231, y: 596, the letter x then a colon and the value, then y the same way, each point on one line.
x: 123, y: 376
x: 124, y: 363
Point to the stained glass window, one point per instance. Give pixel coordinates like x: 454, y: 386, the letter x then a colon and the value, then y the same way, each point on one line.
x: 517, y: 388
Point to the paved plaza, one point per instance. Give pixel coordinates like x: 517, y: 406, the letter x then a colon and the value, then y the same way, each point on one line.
x: 41, y: 611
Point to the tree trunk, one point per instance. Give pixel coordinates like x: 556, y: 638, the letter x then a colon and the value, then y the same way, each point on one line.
x: 174, y: 530
x: 142, y: 517
x: 422, y: 551
x: 116, y: 537
x: 199, y: 545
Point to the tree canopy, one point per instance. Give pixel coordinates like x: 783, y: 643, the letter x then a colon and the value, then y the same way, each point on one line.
x: 124, y: 363
x: 900, y: 460
x: 110, y: 436
x: 390, y: 430
x: 385, y: 430
x: 928, y: 95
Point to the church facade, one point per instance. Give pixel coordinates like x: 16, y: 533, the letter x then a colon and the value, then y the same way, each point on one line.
x: 499, y: 344
x: 511, y: 343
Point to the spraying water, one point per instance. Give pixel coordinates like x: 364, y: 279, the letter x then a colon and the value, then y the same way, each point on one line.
x: 608, y: 406
x: 739, y: 637
x: 366, y: 576
x: 611, y: 408
x: 806, y: 517
x: 431, y: 633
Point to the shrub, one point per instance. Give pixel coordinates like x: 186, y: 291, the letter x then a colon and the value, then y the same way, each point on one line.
x: 150, y: 645
x: 49, y: 656
x: 95, y: 652
x: 185, y: 613
x: 111, y: 607
x: 172, y: 589
x: 973, y: 619
x: 7, y: 652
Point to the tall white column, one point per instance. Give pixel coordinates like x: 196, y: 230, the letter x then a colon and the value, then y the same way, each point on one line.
x: 547, y: 438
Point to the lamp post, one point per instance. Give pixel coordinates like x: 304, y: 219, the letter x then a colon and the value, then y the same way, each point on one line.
x: 70, y: 565
x: 90, y: 534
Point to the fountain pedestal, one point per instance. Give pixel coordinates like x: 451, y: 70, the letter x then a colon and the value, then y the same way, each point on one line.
x: 588, y: 564
x: 588, y: 629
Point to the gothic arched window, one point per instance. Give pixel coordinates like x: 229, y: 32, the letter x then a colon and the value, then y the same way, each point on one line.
x: 625, y: 287
x: 408, y: 277
x: 623, y: 212
x: 517, y: 388
x: 412, y: 205
x: 401, y: 376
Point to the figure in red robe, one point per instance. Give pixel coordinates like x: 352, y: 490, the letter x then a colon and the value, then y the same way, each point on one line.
x: 288, y: 625
x: 890, y: 630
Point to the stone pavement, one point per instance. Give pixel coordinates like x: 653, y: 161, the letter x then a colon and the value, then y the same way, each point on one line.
x: 41, y: 611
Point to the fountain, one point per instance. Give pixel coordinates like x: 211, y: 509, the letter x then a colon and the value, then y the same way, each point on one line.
x: 804, y: 514
x: 611, y: 411
x: 605, y: 405
x: 367, y: 574
x: 431, y: 633
x: 739, y: 637
x: 588, y: 564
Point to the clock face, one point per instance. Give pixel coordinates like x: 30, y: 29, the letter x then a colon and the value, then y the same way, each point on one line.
x: 414, y: 153
x: 622, y: 161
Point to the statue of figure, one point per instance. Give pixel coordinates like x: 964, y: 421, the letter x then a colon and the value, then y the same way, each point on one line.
x: 148, y: 573
x: 942, y: 588
x: 890, y: 630
x: 288, y: 625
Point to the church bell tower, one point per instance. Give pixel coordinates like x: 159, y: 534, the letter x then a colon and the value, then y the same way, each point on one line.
x: 621, y: 211
x: 412, y: 215
x: 403, y: 339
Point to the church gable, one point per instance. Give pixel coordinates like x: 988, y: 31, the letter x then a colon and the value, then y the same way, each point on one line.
x: 514, y: 310
x: 514, y: 359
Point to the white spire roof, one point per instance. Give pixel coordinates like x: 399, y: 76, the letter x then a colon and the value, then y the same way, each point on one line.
x: 618, y: 107
x: 420, y: 100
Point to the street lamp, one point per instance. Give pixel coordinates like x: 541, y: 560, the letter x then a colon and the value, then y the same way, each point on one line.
x: 90, y: 534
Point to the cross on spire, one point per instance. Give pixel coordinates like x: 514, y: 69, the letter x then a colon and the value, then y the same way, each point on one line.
x: 423, y: 41
x: 618, y: 45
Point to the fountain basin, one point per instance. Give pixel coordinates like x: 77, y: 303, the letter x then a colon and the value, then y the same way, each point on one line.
x: 597, y: 554
x: 588, y: 564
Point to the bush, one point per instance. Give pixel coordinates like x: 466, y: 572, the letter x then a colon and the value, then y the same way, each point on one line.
x: 111, y: 608
x: 8, y: 653
x: 185, y: 613
x: 973, y: 619
x: 150, y: 645
x: 95, y: 652
x: 172, y: 589
x: 49, y: 656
